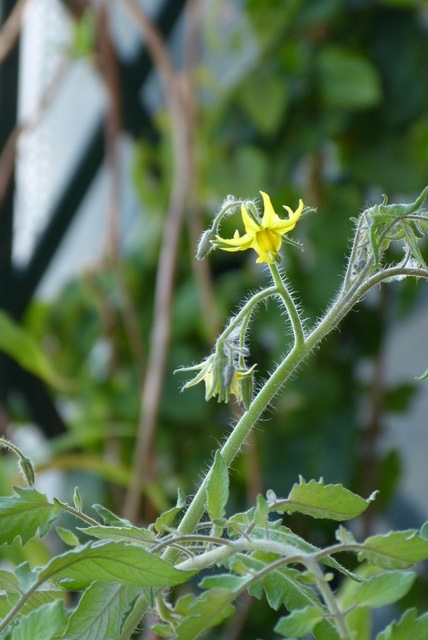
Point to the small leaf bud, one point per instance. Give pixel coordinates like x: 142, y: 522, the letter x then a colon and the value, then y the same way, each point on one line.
x: 77, y: 499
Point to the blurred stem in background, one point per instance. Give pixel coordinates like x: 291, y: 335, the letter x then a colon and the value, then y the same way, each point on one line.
x: 177, y: 89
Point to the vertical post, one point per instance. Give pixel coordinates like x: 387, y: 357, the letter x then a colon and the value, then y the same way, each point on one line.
x: 8, y: 111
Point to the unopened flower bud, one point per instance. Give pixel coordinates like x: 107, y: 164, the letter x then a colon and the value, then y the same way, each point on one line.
x: 27, y: 469
x: 205, y: 244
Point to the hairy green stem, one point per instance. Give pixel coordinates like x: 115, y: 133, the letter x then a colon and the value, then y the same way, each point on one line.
x: 245, y: 312
x: 79, y: 514
x: 25, y: 464
x: 18, y: 605
x: 133, y: 618
x: 329, y: 599
x: 289, y: 304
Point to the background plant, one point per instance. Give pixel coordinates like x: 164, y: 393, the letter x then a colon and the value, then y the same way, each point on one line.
x: 336, y: 144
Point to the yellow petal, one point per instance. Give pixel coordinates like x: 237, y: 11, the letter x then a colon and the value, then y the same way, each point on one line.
x: 294, y: 215
x: 267, y: 244
x: 250, y: 224
x: 237, y: 243
x: 270, y: 218
x: 284, y: 226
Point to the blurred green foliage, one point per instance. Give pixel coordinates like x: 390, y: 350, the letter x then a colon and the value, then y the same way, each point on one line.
x: 324, y: 100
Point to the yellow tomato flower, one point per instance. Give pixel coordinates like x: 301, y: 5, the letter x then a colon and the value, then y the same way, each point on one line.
x: 265, y: 235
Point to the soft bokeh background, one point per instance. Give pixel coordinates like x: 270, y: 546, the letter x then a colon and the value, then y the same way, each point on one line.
x: 324, y: 100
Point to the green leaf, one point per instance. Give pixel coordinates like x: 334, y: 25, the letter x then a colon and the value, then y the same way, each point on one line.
x: 199, y: 614
x: 395, y: 550
x: 6, y: 603
x: 113, y: 562
x: 299, y: 623
x: 217, y: 488
x: 315, y: 499
x: 282, y: 586
x: 348, y: 80
x: 41, y: 624
x: 163, y: 630
x: 167, y: 517
x: 385, y: 588
x: 412, y: 243
x: 287, y: 537
x: 261, y: 512
x: 100, y: 612
x: 8, y: 582
x: 223, y: 581
x: 358, y: 619
x: 110, y: 518
x: 409, y: 627
x: 123, y: 534
x: 67, y: 536
x: 424, y: 531
x: 26, y: 575
x: 25, y: 513
x: 21, y: 347
x: 48, y: 593
x: 9, y: 592
x: 374, y: 241
x: 398, y: 398
x: 266, y: 114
